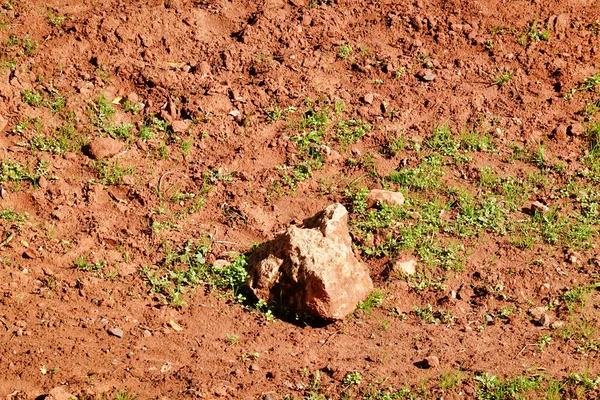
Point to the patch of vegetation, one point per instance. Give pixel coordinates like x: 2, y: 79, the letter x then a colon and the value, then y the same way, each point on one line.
x: 534, y: 33
x: 351, y: 131
x: 124, y: 395
x: 60, y: 141
x: 83, y: 264
x: 579, y: 296
x: 490, y: 387
x: 275, y: 113
x: 590, y: 83
x: 26, y: 45
x: 502, y: 77
x: 374, y: 300
x: 187, y: 268
x: 428, y: 315
x: 111, y: 173
x: 54, y: 18
x: 451, y: 378
x: 9, y: 215
x: 427, y: 176
x: 344, y: 51
x: 16, y: 172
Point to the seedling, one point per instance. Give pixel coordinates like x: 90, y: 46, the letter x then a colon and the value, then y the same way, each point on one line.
x: 543, y: 341
x: 55, y: 19
x: 124, y: 395
x: 534, y: 33
x: 82, y: 263
x: 500, y: 78
x: 344, y: 51
x: 374, y: 300
x: 111, y: 173
x: 231, y: 338
x: 353, y: 378
x: 275, y: 113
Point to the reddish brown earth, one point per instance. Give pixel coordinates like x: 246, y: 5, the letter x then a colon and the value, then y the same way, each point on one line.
x: 200, y: 60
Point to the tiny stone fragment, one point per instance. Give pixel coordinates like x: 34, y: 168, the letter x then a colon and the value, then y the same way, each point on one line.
x: 369, y: 97
x: 406, y: 267
x: 539, y: 207
x: 118, y: 332
x: 432, y: 361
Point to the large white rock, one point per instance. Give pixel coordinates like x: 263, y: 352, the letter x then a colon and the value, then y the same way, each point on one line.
x: 312, y: 269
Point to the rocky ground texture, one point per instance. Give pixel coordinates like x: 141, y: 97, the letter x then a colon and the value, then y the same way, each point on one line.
x: 150, y: 150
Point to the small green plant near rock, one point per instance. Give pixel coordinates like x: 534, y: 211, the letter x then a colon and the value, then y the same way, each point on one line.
x: 428, y: 315
x: 351, y: 131
x: 123, y: 131
x: 472, y: 140
x: 374, y: 300
x: 133, y: 108
x: 543, y: 341
x: 101, y: 112
x: 146, y: 132
x: 188, y: 268
x: 32, y: 97
x: 159, y: 124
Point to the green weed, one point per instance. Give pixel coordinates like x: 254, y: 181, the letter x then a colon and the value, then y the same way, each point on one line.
x: 490, y: 387
x: 111, y: 173
x: 82, y: 263
x: 344, y: 51
x: 374, y: 300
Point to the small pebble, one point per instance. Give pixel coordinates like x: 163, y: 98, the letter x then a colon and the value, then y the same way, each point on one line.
x: 432, y: 361
x: 118, y: 332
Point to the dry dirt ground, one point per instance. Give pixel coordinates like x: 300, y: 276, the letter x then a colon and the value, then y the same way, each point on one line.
x: 229, y: 120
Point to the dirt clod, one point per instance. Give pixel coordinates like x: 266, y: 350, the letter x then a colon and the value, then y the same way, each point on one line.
x: 432, y: 361
x: 385, y: 196
x: 103, y: 148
